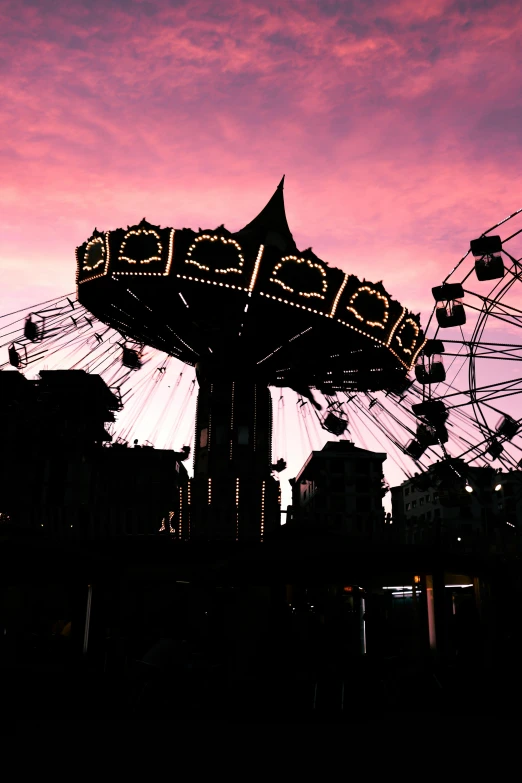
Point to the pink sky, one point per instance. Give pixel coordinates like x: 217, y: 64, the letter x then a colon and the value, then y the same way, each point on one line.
x: 397, y: 124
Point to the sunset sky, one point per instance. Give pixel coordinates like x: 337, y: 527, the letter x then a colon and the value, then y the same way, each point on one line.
x: 398, y: 126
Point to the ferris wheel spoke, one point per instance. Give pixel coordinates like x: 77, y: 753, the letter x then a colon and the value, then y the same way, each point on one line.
x: 489, y: 357
x: 462, y: 416
x: 501, y: 222
x: 510, y: 322
x: 504, y: 349
x: 478, y: 447
x: 497, y: 396
x: 463, y: 419
x: 494, y: 298
x: 457, y: 265
x: 516, y: 264
x: 504, y: 309
x: 453, y: 390
x: 472, y: 446
x: 511, y: 236
x: 500, y: 288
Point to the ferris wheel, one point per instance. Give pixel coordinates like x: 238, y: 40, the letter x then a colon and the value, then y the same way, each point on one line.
x: 469, y: 367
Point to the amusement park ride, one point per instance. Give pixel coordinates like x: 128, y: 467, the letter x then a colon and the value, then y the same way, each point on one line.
x: 250, y: 311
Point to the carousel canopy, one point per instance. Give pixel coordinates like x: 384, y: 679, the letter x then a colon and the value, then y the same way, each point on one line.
x: 249, y: 297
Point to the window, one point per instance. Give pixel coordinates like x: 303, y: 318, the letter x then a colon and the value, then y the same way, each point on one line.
x: 363, y: 503
x: 406, y: 490
x: 435, y: 497
x: 337, y: 503
x: 421, y: 501
x: 337, y: 484
x: 203, y: 438
x: 414, y: 504
x: 437, y: 513
x: 408, y: 506
x: 428, y: 498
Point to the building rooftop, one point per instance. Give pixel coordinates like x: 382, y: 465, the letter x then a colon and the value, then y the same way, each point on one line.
x: 340, y: 449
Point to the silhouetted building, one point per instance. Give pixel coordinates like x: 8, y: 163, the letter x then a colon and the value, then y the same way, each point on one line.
x: 461, y: 506
x: 59, y: 474
x: 62, y: 410
x: 340, y: 489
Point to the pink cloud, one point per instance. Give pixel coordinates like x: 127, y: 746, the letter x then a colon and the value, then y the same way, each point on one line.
x: 383, y: 119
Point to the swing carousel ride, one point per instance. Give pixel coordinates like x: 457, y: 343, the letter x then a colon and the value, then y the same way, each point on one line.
x: 249, y: 318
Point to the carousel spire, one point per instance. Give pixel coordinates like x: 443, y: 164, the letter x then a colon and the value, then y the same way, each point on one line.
x: 270, y: 226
